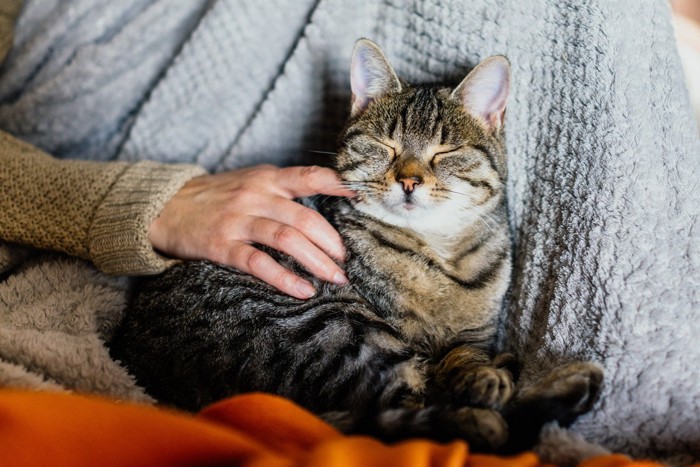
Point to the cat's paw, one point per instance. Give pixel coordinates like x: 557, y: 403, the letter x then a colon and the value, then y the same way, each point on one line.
x: 577, y: 385
x: 569, y: 390
x: 482, y: 386
x: 483, y: 429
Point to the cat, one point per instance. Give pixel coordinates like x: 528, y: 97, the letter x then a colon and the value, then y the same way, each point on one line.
x: 405, y: 349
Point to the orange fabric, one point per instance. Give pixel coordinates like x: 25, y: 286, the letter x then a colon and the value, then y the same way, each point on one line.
x: 49, y: 429
x: 615, y: 460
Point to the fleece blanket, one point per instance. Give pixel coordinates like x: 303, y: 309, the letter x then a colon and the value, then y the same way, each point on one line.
x: 604, y: 158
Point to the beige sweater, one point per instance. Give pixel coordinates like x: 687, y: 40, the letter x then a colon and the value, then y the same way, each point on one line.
x: 97, y: 211
x: 94, y: 210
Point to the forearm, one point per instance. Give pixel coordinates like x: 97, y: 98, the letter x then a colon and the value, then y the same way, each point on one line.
x: 9, y: 9
x: 97, y: 211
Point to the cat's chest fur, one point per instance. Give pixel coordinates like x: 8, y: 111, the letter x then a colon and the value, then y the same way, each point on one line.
x: 434, y: 290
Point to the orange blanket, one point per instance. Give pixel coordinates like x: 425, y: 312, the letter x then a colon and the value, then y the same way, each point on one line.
x: 49, y: 429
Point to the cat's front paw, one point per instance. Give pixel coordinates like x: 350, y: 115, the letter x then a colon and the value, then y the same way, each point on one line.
x: 565, y: 393
x: 569, y: 390
x: 577, y: 385
x: 482, y: 386
x: 483, y: 429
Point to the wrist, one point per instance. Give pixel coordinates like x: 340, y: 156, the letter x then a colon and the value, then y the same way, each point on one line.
x: 120, y: 234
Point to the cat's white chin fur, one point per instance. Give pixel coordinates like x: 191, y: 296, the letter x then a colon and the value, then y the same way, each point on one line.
x: 440, y: 226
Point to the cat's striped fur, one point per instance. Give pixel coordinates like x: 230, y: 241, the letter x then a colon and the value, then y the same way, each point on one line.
x: 405, y: 349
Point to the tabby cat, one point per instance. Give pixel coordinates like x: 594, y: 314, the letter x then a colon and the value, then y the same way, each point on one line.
x: 405, y: 349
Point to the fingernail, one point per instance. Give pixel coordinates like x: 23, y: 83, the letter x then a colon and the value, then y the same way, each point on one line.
x: 339, y: 278
x: 305, y: 289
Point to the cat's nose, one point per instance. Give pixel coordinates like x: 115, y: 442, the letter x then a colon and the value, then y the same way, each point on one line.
x: 409, y: 183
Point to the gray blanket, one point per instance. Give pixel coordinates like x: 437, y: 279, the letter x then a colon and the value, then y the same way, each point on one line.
x: 604, y: 155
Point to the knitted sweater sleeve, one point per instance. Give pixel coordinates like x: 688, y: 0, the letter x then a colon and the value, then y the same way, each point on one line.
x: 95, y: 210
x: 9, y: 9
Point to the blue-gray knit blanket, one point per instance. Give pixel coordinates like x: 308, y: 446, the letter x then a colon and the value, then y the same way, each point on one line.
x: 604, y: 155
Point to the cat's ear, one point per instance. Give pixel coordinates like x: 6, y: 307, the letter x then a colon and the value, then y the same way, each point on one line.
x: 371, y: 75
x: 484, y: 91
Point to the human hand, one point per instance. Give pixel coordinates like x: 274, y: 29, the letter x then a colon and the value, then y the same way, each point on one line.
x: 217, y: 217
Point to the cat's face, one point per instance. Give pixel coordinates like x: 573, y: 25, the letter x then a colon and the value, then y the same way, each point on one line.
x: 424, y: 157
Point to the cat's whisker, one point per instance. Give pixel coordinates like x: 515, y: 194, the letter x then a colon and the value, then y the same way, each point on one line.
x: 453, y: 191
x: 362, y: 184
x: 480, y: 216
x: 317, y: 151
x: 364, y: 187
x: 338, y: 186
x: 361, y: 171
x: 324, y: 198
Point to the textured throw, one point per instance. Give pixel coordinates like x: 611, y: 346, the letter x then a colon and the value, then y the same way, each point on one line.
x: 604, y: 155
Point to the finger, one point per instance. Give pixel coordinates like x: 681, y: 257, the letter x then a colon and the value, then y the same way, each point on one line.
x: 309, y: 222
x: 257, y: 263
x: 287, y: 239
x: 311, y: 180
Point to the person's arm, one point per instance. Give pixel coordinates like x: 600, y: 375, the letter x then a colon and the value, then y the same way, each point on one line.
x: 101, y: 212
x: 118, y: 215
x: 110, y: 213
x: 98, y: 211
x: 9, y: 9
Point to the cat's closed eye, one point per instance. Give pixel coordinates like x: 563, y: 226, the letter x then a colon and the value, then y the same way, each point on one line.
x: 392, y: 148
x: 444, y: 152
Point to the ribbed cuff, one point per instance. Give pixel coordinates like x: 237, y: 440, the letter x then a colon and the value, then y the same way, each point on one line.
x: 118, y: 237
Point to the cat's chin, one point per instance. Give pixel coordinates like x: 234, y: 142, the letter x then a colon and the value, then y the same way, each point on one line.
x: 407, y: 210
x: 413, y: 208
x: 409, y: 215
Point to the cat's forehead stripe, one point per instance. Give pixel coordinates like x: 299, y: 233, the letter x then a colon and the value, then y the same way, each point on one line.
x: 421, y: 118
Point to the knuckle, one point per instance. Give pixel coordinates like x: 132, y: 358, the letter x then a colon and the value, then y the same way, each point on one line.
x: 307, y: 220
x: 309, y: 175
x: 285, y: 236
x: 218, y: 243
x: 243, y: 196
x: 262, y: 172
x: 285, y: 279
x: 255, y: 260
